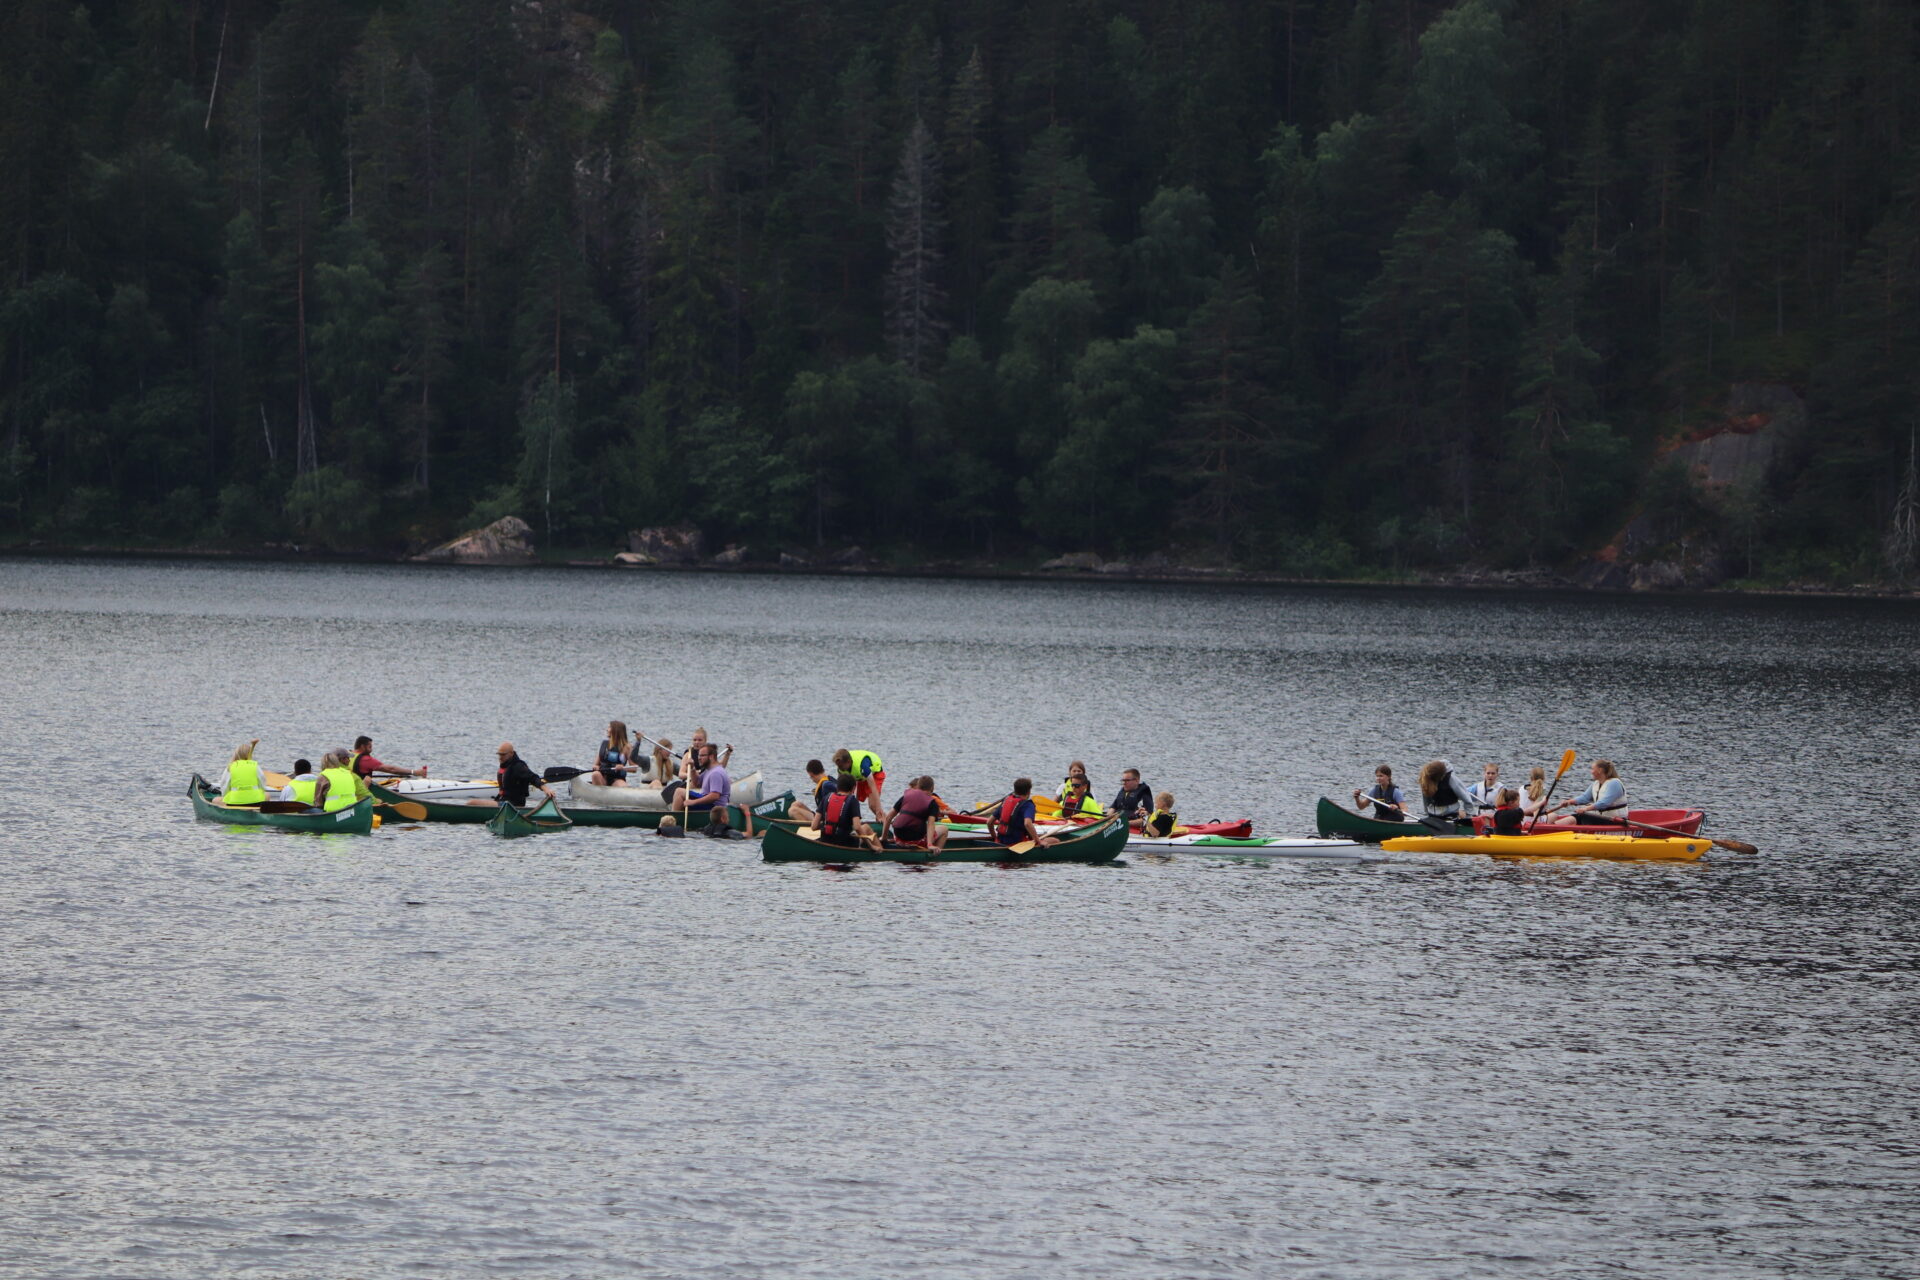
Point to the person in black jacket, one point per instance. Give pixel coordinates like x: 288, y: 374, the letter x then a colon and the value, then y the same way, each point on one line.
x: 516, y: 778
x: 1135, y: 800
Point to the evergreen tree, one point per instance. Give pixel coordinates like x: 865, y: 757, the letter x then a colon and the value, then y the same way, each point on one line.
x: 916, y: 304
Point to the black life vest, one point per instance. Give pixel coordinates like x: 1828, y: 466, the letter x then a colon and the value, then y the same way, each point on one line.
x: 1507, y: 820
x: 838, y: 816
x: 1382, y: 812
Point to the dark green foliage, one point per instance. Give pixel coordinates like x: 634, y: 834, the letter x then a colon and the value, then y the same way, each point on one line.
x: 1306, y: 284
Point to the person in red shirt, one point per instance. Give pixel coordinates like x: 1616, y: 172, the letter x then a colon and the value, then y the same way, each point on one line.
x: 366, y: 765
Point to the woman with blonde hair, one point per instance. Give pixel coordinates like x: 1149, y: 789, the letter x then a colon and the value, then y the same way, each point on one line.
x: 242, y: 784
x: 1536, y: 793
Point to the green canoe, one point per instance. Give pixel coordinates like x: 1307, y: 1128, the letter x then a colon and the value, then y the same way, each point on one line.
x: 648, y: 819
x: 437, y: 810
x: 357, y: 821
x: 541, y: 818
x: 1101, y: 842
x: 1335, y: 821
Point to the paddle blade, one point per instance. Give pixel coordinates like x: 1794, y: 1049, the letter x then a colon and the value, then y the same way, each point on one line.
x: 409, y: 810
x: 273, y: 779
x: 1025, y: 846
x: 1566, y: 763
x: 808, y: 833
x: 1738, y: 846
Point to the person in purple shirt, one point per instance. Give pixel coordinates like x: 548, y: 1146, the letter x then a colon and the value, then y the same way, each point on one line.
x: 714, y: 793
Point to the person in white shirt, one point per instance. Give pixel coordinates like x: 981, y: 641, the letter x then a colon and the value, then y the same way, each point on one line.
x: 1485, y: 794
x: 1603, y: 803
x: 300, y: 783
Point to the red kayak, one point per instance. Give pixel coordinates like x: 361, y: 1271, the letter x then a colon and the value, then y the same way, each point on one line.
x: 1239, y: 830
x: 1685, y: 821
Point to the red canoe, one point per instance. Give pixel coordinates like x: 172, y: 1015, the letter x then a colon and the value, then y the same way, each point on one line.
x: 1686, y: 821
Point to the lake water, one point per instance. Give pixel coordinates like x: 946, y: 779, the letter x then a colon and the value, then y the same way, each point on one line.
x: 227, y: 1052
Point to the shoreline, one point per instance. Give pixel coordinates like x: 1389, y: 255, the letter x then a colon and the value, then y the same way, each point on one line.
x: 1465, y: 579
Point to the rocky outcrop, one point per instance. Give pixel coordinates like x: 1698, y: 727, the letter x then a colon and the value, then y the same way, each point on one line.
x: 1762, y: 430
x: 680, y: 544
x: 733, y: 555
x: 507, y: 540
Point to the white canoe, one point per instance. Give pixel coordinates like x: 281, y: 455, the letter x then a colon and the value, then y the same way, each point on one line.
x: 746, y: 791
x: 1307, y: 847
x: 446, y: 789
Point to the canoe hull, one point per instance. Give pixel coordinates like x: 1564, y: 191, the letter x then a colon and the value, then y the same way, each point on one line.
x: 1299, y: 847
x: 1333, y: 820
x: 1559, y: 845
x: 541, y: 819
x: 581, y: 792
x: 437, y: 810
x: 649, y: 819
x: 1683, y: 820
x: 1097, y: 844
x: 357, y: 821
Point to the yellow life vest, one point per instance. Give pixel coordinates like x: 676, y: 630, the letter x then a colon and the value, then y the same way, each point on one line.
x: 1087, y: 805
x: 866, y: 764
x: 303, y: 789
x: 343, y: 789
x: 243, y: 784
x: 1154, y: 823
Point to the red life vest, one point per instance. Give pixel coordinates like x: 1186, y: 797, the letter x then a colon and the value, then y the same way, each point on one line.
x: 1002, y: 823
x: 839, y: 815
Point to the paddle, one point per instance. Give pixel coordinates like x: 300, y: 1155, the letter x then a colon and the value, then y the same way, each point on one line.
x: 409, y: 810
x: 1734, y: 846
x: 1566, y: 763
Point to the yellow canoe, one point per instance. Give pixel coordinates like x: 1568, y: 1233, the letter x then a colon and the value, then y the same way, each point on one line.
x: 1569, y: 844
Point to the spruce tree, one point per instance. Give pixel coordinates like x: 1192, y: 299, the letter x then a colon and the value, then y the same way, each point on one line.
x: 915, y: 302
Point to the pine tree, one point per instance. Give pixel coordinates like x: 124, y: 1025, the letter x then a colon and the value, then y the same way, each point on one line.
x: 916, y: 304
x: 970, y: 185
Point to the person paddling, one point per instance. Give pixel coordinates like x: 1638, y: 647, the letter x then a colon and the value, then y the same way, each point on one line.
x: 516, y: 778
x: 1535, y: 794
x: 1135, y: 799
x: 1388, y: 802
x: 361, y: 760
x: 241, y: 785
x: 1442, y: 794
x: 617, y: 751
x: 839, y: 818
x: 912, y: 820
x: 713, y: 793
x: 1603, y: 803
x: 1013, y: 819
x: 339, y: 786
x: 301, y: 783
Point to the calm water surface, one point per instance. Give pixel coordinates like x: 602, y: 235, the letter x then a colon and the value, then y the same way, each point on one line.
x: 248, y: 1053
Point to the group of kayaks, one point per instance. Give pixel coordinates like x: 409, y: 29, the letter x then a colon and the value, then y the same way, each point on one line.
x: 1344, y: 836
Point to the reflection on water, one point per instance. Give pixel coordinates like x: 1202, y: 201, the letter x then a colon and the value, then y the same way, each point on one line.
x: 235, y: 1050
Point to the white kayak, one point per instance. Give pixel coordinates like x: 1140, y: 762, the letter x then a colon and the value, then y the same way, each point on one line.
x: 1308, y: 847
x: 746, y: 791
x: 445, y: 789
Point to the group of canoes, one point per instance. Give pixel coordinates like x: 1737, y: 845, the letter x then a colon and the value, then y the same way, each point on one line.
x: 636, y: 780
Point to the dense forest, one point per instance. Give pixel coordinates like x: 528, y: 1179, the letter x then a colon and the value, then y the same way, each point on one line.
x: 1315, y: 285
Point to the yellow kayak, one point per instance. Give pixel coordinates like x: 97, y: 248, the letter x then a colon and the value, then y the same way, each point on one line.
x: 1569, y: 844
